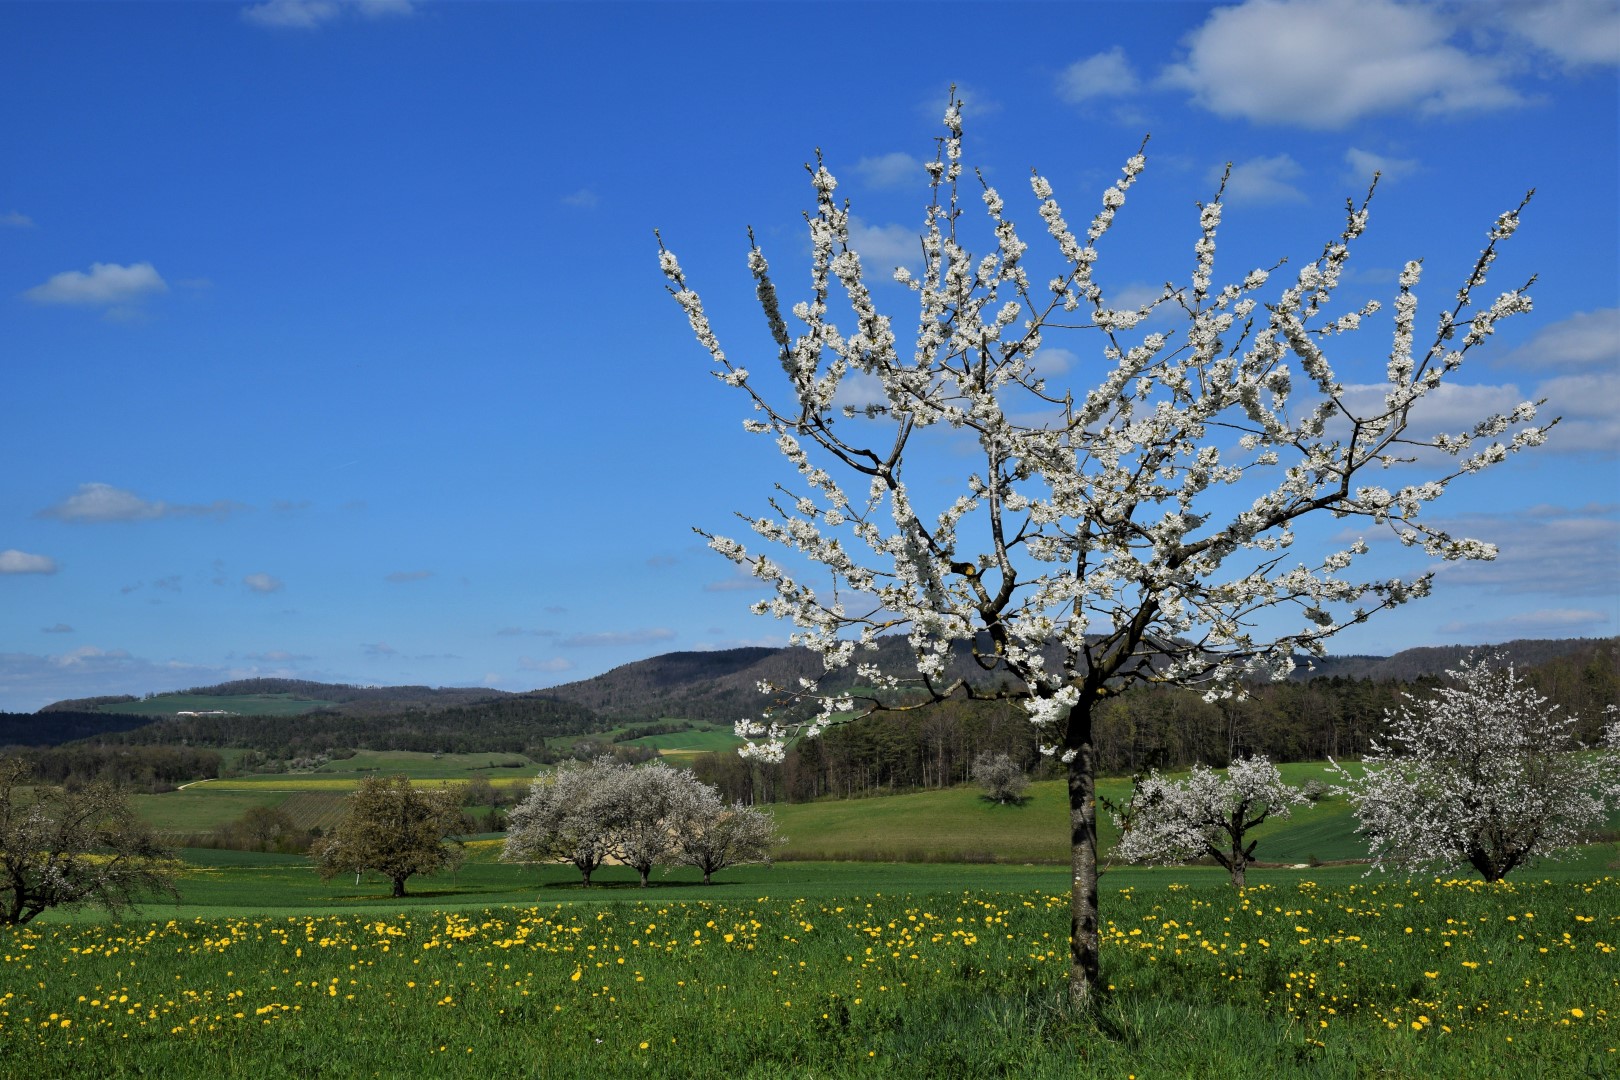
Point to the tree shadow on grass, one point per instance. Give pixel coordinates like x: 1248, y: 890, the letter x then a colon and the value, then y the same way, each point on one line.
x: 1016, y: 800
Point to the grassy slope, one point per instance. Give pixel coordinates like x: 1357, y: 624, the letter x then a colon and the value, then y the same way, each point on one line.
x: 954, y: 825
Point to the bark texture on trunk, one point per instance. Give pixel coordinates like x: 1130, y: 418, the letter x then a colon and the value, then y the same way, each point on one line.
x: 1083, y: 918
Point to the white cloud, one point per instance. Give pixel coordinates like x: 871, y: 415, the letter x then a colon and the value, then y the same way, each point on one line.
x: 883, y: 247
x: 890, y: 170
x: 1106, y: 74
x: 263, y: 583
x: 1360, y: 165
x: 31, y: 680
x: 86, y: 655
x: 1585, y: 338
x: 96, y: 502
x: 1586, y: 403
x: 619, y: 637
x: 1551, y: 550
x: 309, y: 14
x: 1578, y: 32
x: 105, y: 285
x: 857, y: 390
x: 1262, y: 180
x: 1327, y: 63
x: 14, y: 219
x: 1449, y: 407
x: 584, y: 198
x: 1544, y: 623
x: 13, y: 561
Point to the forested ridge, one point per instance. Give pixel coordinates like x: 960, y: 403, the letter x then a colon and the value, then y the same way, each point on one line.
x: 1331, y: 712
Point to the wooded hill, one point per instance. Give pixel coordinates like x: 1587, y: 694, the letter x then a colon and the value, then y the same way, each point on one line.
x: 1332, y: 711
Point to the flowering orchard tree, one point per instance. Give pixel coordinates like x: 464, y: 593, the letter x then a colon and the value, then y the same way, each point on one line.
x: 61, y: 848
x: 657, y: 804
x: 1171, y: 821
x: 1484, y: 773
x: 1002, y: 778
x: 1139, y: 530
x: 717, y: 836
x: 574, y: 815
x: 639, y: 816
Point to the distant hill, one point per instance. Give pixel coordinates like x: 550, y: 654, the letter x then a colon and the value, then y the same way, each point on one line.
x: 289, y: 716
x: 1410, y: 664
x: 723, y: 685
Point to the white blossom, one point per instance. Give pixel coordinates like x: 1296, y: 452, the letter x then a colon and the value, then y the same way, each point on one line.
x: 1483, y: 773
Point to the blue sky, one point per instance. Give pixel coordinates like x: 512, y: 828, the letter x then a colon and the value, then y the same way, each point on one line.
x: 335, y: 345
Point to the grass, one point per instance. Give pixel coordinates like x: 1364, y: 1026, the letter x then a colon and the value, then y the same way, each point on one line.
x: 830, y: 970
x: 702, y: 739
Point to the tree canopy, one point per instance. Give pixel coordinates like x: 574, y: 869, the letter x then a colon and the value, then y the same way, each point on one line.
x: 393, y: 829
x: 1144, y: 523
x: 61, y: 848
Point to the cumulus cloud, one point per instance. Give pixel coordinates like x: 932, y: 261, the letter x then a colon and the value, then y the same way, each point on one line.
x: 400, y: 577
x: 97, y: 502
x: 1106, y: 74
x: 1550, y: 550
x: 1327, y: 63
x: 1586, y: 404
x: 1584, y: 339
x: 105, y: 285
x: 644, y: 636
x: 1360, y: 165
x: 1449, y: 407
x: 13, y: 561
x: 13, y: 219
x: 263, y: 583
x: 883, y: 247
x: 890, y: 170
x: 1577, y: 32
x: 584, y: 198
x: 1262, y: 180
x: 310, y: 14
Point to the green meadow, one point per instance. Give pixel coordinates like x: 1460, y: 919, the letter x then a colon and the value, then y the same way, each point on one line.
x: 900, y: 936
x: 822, y: 970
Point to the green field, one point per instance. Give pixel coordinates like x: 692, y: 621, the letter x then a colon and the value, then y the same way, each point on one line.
x: 822, y: 970
x: 950, y: 825
x: 702, y: 739
x: 241, y: 704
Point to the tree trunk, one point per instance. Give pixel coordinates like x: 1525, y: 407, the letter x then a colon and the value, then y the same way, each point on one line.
x: 1083, y: 919
x: 399, y: 886
x: 643, y: 870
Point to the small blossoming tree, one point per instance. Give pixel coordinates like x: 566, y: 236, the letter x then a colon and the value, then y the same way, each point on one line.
x: 1002, y: 778
x: 1141, y: 529
x: 1207, y: 814
x: 1484, y: 773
